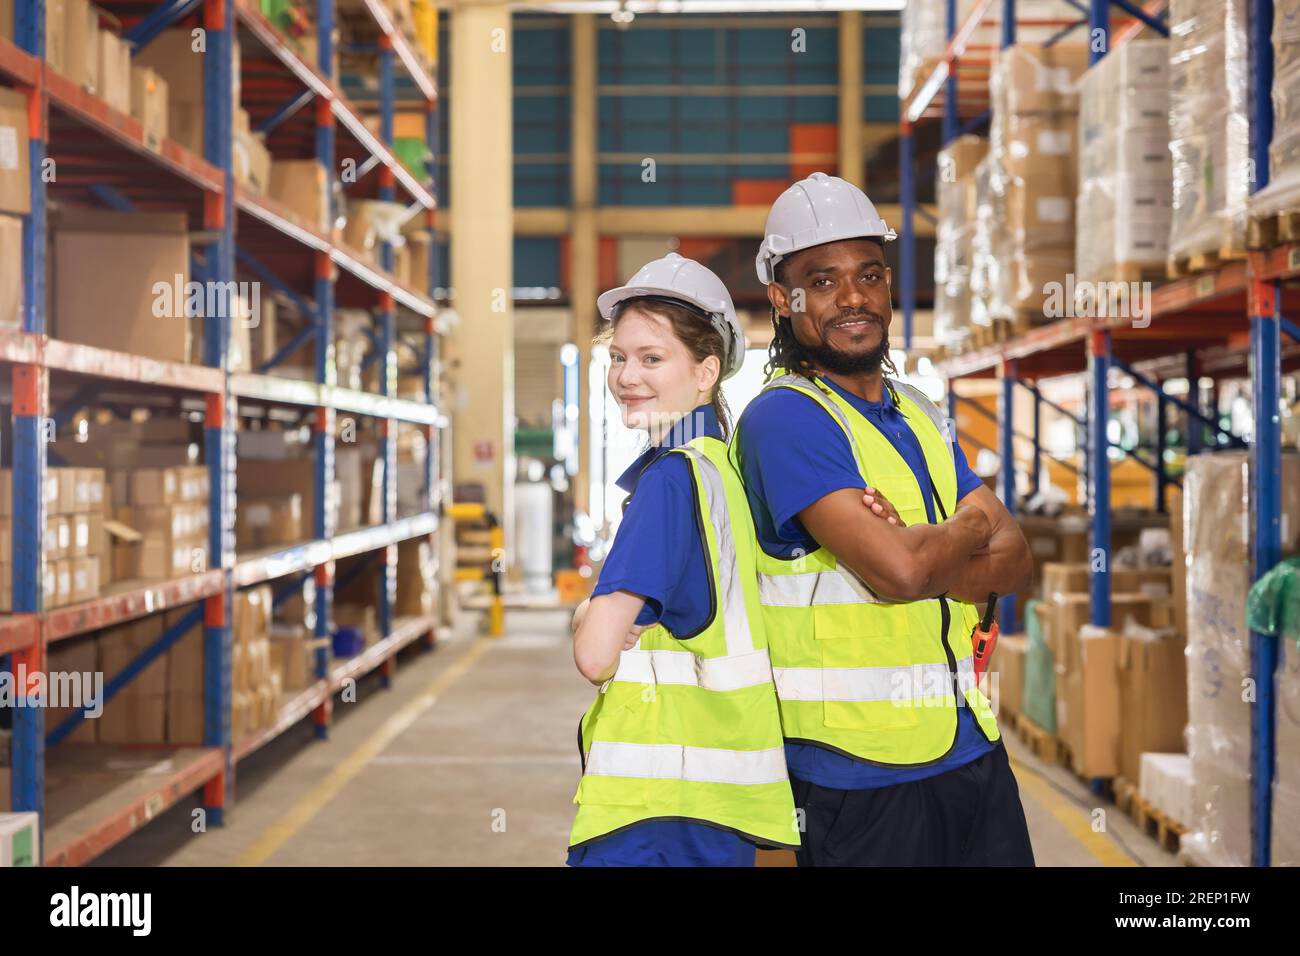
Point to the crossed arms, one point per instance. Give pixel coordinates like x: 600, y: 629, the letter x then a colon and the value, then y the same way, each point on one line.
x: 979, y: 549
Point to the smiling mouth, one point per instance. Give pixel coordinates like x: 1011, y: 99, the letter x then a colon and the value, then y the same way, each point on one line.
x: 852, y: 323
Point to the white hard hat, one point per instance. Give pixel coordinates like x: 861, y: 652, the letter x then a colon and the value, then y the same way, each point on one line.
x: 686, y: 281
x: 813, y: 211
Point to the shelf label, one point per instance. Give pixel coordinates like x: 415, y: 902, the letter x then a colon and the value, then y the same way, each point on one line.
x: 1205, y: 285
x: 1293, y: 259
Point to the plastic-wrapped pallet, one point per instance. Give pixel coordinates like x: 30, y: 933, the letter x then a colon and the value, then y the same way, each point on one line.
x: 986, y: 239
x: 1208, y: 127
x: 1216, y: 520
x: 1165, y: 782
x: 1286, y: 782
x: 953, y: 237
x: 923, y: 36
x: 1282, y: 194
x: 1125, y: 190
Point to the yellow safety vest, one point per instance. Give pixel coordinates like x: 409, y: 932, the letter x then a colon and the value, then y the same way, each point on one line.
x: 869, y: 678
x: 689, y: 730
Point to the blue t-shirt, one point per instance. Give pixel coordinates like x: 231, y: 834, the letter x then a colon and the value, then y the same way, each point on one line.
x: 793, y: 453
x: 659, y: 554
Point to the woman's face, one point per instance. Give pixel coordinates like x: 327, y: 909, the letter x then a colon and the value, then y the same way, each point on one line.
x: 652, y: 374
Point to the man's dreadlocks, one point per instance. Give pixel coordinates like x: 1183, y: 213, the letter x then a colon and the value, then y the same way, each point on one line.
x: 785, y: 350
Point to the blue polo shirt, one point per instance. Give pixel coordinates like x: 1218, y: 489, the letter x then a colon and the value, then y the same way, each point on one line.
x: 659, y: 554
x: 792, y: 453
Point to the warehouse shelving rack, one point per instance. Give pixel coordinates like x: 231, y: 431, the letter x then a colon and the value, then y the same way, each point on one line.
x: 102, y: 157
x: 1225, y: 321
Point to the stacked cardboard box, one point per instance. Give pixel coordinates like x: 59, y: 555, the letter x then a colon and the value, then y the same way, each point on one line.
x: 953, y: 238
x: 293, y: 655
x: 1208, y: 127
x: 168, y: 511
x: 176, y: 57
x: 269, y: 521
x: 1219, y: 675
x: 15, y: 201
x: 75, y: 547
x: 1125, y: 190
x: 1008, y: 693
x: 68, y: 657
x: 1033, y: 136
x: 255, y: 686
x: 137, y: 714
x: 1088, y: 671
x: 1153, y: 694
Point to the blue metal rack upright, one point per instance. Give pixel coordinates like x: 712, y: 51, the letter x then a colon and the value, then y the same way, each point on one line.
x: 1200, y: 312
x: 62, y: 119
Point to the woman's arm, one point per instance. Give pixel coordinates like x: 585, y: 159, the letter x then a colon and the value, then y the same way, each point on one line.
x: 603, y: 626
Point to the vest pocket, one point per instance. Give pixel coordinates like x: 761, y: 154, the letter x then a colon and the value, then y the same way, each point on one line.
x: 866, y: 660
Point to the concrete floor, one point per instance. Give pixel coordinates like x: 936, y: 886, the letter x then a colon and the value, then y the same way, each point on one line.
x: 470, y: 759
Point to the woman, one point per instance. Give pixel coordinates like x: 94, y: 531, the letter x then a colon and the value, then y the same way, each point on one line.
x: 682, y: 754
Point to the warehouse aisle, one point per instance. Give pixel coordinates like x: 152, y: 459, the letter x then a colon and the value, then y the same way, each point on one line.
x: 470, y: 759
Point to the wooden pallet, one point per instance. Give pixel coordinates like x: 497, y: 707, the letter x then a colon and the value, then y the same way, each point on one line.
x: 1136, y: 272
x: 1267, y: 231
x: 1199, y: 262
x: 1041, y: 744
x: 1167, y: 831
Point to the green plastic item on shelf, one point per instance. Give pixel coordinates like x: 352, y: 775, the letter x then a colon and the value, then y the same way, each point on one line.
x: 1039, y: 701
x: 278, y: 11
x: 1273, y: 605
x: 412, y: 153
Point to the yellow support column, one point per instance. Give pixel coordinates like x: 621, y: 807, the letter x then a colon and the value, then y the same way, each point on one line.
x: 481, y: 349
x: 852, y: 162
x: 584, y: 250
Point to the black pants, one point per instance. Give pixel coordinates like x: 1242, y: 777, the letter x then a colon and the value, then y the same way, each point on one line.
x: 970, y: 816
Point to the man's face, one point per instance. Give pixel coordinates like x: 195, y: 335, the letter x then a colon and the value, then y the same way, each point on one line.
x: 837, y: 297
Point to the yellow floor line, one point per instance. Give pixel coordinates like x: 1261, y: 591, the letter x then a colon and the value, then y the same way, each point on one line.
x: 276, y: 835
x: 1076, y: 822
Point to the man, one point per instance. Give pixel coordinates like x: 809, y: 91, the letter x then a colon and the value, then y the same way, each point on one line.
x: 893, y: 752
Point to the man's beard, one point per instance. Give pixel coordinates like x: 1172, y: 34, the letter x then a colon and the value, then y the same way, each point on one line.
x: 827, y: 358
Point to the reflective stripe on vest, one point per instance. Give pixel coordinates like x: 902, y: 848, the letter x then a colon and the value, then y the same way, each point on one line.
x: 684, y: 668
x: 814, y: 587
x: 695, y: 764
x: 867, y: 684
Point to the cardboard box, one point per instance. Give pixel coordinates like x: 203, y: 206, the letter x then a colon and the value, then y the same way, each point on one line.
x: 106, y: 265
x: 62, y: 582
x: 155, y: 487
x: 79, y: 657
x: 185, y: 719
x: 114, y: 71
x: 957, y: 160
x: 301, y: 187
x: 79, y: 535
x: 172, y: 56
x: 85, y: 578
x: 138, y: 713
x: 416, y: 578
x: 1040, y: 209
x: 419, y: 244
x: 1087, y: 704
x: 1031, y: 78
x: 185, y: 123
x: 55, y: 28
x: 185, y: 657
x: 6, y: 541
x: 81, y: 44
x: 1153, y: 695
x: 252, y: 617
x: 149, y: 104
x: 293, y: 655
x: 7, y: 31
x: 265, y: 522
x: 1009, y: 665
x: 57, y: 537
x: 15, y: 155
x: 6, y: 775
x: 252, y: 162
x: 11, y: 271
x: 20, y: 840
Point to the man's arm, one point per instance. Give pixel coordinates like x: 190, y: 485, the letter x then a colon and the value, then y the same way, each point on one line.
x: 901, y: 564
x: 1006, y: 566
